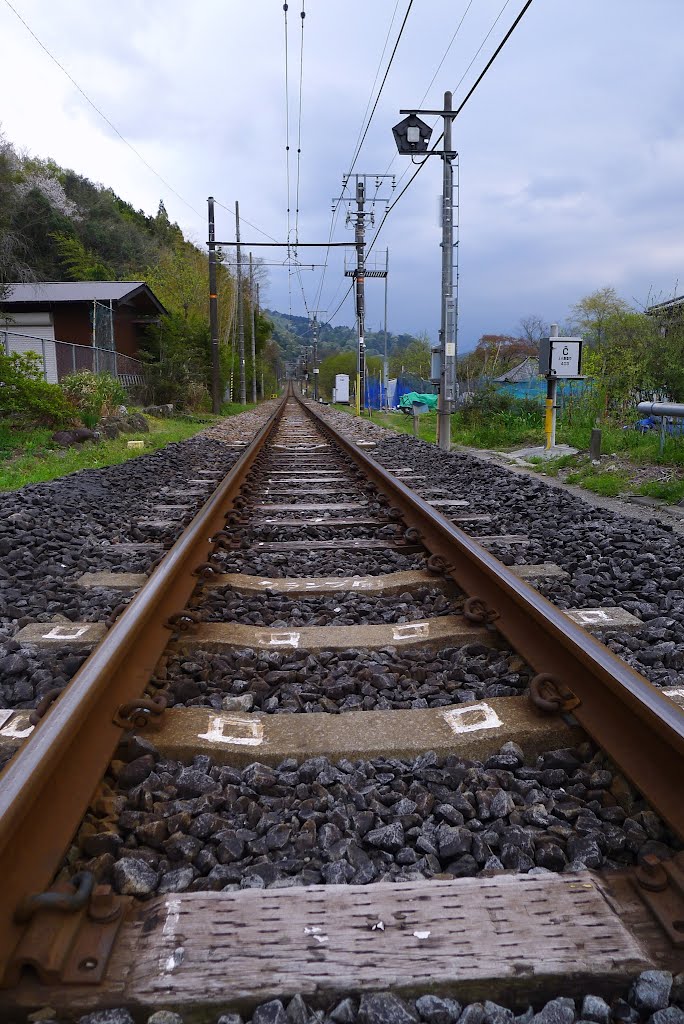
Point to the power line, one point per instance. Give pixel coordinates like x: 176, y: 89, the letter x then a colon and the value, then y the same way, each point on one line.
x: 339, y: 307
x: 461, y: 79
x: 299, y: 124
x: 357, y: 146
x: 456, y: 113
x: 377, y: 74
x: 101, y: 114
x: 287, y: 154
x: 264, y: 233
x: 382, y: 85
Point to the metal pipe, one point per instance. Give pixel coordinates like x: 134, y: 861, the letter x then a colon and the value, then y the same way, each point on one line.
x: 661, y: 409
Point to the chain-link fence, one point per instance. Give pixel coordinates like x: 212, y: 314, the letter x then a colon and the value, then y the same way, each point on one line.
x: 60, y: 358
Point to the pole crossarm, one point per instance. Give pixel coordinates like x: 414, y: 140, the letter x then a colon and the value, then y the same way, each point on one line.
x: 287, y: 245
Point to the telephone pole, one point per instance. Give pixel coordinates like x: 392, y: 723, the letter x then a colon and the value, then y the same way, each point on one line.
x: 213, y: 315
x: 412, y: 137
x: 254, y: 323
x: 240, y: 311
x: 447, y: 332
x: 360, y: 271
x: 314, y: 331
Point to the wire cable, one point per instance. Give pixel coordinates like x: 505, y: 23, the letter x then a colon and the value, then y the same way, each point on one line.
x: 299, y: 125
x: 264, y: 233
x: 339, y: 307
x: 461, y: 79
x: 382, y: 86
x: 357, y: 147
x: 101, y: 114
x: 458, y: 110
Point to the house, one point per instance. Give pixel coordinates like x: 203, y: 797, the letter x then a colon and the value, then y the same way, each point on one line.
x: 525, y: 371
x: 75, y: 325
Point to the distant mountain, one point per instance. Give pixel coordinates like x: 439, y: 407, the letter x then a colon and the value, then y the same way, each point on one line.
x: 291, y: 332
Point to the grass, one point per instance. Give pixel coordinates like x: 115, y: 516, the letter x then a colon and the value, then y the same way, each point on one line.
x: 28, y: 456
x: 671, y: 491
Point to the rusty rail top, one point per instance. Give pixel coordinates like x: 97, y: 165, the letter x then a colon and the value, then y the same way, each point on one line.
x: 640, y: 728
x: 46, y: 788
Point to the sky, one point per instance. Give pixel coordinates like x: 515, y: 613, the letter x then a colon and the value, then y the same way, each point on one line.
x: 571, y: 150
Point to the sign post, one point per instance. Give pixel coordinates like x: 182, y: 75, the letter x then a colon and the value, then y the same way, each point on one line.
x: 558, y: 358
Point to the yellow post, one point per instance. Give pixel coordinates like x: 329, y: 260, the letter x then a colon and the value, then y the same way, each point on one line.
x: 358, y: 394
x: 548, y: 422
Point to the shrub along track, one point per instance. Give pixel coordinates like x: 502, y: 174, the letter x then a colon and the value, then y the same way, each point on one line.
x: 226, y: 824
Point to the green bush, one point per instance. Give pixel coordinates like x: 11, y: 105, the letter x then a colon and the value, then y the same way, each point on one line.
x: 26, y: 395
x: 93, y: 394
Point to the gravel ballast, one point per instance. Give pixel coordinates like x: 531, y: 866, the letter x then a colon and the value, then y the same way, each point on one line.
x: 207, y: 827
x: 653, y: 997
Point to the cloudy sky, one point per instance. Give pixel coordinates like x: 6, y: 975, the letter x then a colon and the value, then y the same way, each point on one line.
x: 571, y: 149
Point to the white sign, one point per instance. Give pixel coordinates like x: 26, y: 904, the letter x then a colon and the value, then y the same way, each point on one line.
x: 565, y: 357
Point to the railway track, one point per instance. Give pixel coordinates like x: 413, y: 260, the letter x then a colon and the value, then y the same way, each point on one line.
x: 388, y: 763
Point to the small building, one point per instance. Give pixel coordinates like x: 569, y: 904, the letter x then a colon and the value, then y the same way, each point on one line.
x: 523, y: 372
x: 76, y: 325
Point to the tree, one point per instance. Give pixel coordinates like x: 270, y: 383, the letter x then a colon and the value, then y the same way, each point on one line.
x: 591, y: 313
x: 415, y: 358
x: 494, y: 354
x: 533, y: 328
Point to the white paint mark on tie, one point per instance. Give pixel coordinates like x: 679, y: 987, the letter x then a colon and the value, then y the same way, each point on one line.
x: 472, y: 718
x: 422, y: 935
x: 591, y: 615
x: 411, y: 631
x: 233, y: 729
x: 65, y: 632
x: 18, y: 728
x: 282, y: 640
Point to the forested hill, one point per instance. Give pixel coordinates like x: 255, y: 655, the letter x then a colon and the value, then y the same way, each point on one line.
x: 291, y: 332
x: 57, y: 225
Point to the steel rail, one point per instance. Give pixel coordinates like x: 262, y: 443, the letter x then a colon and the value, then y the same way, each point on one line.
x: 47, y: 786
x: 641, y: 730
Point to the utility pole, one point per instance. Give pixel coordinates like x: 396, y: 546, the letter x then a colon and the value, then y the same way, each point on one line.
x: 447, y: 333
x: 360, y: 277
x: 240, y: 311
x: 412, y: 137
x: 314, y: 333
x: 254, y: 325
x: 385, y: 361
x: 213, y: 314
x: 360, y: 271
x: 256, y: 320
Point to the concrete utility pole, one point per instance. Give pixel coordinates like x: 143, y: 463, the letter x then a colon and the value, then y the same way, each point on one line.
x: 256, y: 320
x: 360, y: 272
x: 447, y: 333
x: 240, y: 311
x: 385, y: 361
x: 254, y: 326
x: 213, y: 314
x: 314, y: 334
x: 412, y: 137
x: 360, y: 276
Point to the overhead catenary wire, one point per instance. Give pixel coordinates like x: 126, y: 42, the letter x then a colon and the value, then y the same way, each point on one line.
x: 299, y: 123
x: 457, y: 111
x: 463, y: 76
x: 104, y: 117
x: 357, y: 145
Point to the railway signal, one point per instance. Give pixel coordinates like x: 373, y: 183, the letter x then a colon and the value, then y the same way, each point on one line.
x: 412, y: 136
